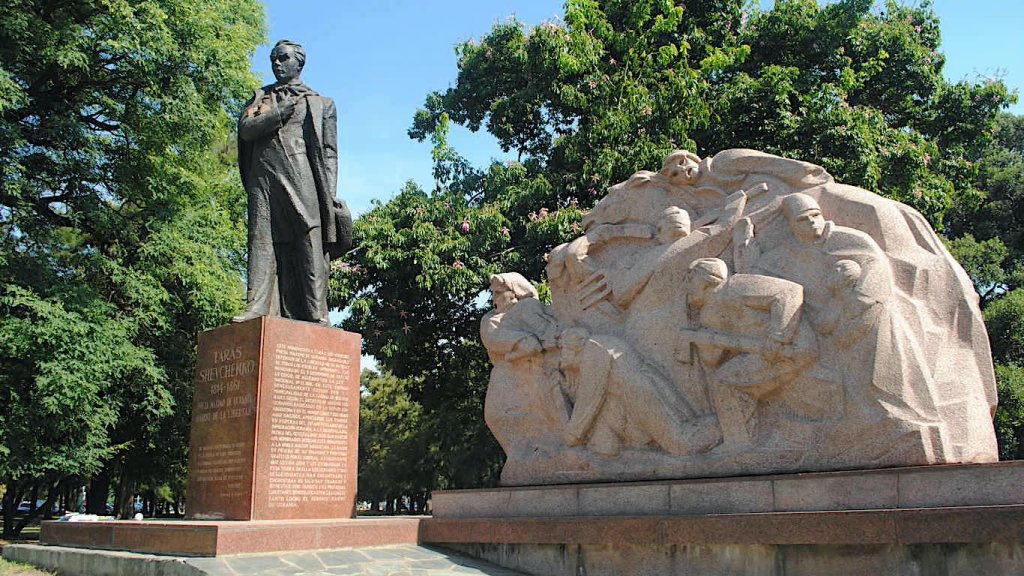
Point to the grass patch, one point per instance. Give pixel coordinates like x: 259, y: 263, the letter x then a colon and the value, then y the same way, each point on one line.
x: 16, y: 569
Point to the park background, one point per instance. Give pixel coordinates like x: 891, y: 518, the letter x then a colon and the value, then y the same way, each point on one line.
x: 122, y: 216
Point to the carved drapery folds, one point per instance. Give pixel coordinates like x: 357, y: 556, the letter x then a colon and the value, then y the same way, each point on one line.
x: 739, y: 314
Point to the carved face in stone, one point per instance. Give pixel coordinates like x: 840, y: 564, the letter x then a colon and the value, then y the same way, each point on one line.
x: 503, y: 299
x: 571, y: 342
x: 674, y: 224
x: 681, y: 167
x: 706, y: 276
x: 804, y: 216
x: 287, y: 62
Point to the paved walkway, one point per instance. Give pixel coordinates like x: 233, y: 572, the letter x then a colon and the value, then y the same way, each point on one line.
x: 405, y: 560
x: 401, y: 560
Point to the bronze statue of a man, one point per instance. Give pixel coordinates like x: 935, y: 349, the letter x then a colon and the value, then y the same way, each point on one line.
x: 288, y: 157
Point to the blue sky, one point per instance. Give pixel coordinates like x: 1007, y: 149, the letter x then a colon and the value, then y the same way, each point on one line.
x: 379, y: 59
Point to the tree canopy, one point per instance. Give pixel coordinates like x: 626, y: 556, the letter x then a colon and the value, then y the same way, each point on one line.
x: 121, y: 224
x: 612, y: 88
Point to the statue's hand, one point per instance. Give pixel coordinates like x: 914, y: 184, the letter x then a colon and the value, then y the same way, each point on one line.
x: 744, y: 232
x: 287, y: 108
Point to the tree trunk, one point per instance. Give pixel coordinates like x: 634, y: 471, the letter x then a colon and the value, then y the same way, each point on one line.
x: 97, y: 494
x: 40, y: 511
x: 124, y: 504
x: 11, y: 498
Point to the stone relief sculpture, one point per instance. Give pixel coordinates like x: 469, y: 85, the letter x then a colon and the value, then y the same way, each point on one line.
x: 739, y: 314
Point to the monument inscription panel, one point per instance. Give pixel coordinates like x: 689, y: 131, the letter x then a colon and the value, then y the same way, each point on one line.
x: 311, y: 416
x: 223, y: 437
x: 275, y: 422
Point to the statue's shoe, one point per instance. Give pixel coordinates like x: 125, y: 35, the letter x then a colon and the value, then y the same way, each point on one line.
x: 246, y: 316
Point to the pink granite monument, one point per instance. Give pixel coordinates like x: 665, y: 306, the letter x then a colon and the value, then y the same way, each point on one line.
x: 739, y: 314
x: 275, y: 420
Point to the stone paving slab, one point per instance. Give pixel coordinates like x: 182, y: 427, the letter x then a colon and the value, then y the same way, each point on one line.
x: 401, y: 560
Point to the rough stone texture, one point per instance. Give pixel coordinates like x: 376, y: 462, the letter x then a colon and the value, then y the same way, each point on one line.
x: 384, y: 561
x: 951, y: 485
x: 740, y: 314
x: 275, y: 420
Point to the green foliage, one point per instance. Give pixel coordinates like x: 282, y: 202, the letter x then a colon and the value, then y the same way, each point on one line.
x: 120, y: 224
x: 1005, y: 320
x: 995, y: 217
x: 1009, y: 420
x: 988, y: 241
x: 611, y: 90
x: 394, y: 451
x: 860, y: 92
x: 987, y: 263
x: 61, y: 367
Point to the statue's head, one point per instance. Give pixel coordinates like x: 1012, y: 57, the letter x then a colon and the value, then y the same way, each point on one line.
x: 681, y: 167
x: 705, y: 276
x: 509, y: 288
x: 804, y: 217
x: 287, y: 59
x: 673, y: 225
x: 571, y: 343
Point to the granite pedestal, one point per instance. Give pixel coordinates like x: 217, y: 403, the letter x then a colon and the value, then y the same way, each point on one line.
x: 950, y: 519
x: 275, y: 419
x: 273, y: 452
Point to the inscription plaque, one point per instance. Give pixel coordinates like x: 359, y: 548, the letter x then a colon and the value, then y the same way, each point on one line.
x: 275, y: 422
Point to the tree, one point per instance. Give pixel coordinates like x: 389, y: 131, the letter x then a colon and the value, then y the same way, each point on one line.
x: 1009, y: 419
x: 988, y: 241
x: 612, y: 90
x: 120, y: 220
x: 394, y: 453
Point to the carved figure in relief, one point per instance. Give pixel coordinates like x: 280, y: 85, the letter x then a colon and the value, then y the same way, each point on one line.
x: 677, y: 248
x: 888, y: 386
x: 523, y: 400
x: 619, y: 401
x: 720, y: 324
x: 750, y: 339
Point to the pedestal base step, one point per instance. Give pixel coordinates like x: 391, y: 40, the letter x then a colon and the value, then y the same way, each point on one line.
x: 201, y: 538
x: 940, y: 486
x: 962, y: 541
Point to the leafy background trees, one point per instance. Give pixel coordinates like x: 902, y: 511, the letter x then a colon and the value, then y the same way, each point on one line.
x: 854, y: 85
x: 989, y: 242
x: 121, y: 223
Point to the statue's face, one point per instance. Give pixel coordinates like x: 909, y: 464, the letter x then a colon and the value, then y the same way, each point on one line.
x: 685, y: 171
x: 503, y: 299
x: 284, y: 63
x: 809, y: 225
x: 702, y: 285
x: 567, y: 358
x: 674, y: 226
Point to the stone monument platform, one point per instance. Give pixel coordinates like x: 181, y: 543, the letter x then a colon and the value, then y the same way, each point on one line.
x: 947, y: 519
x: 275, y: 420
x: 273, y: 452
x: 205, y: 538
